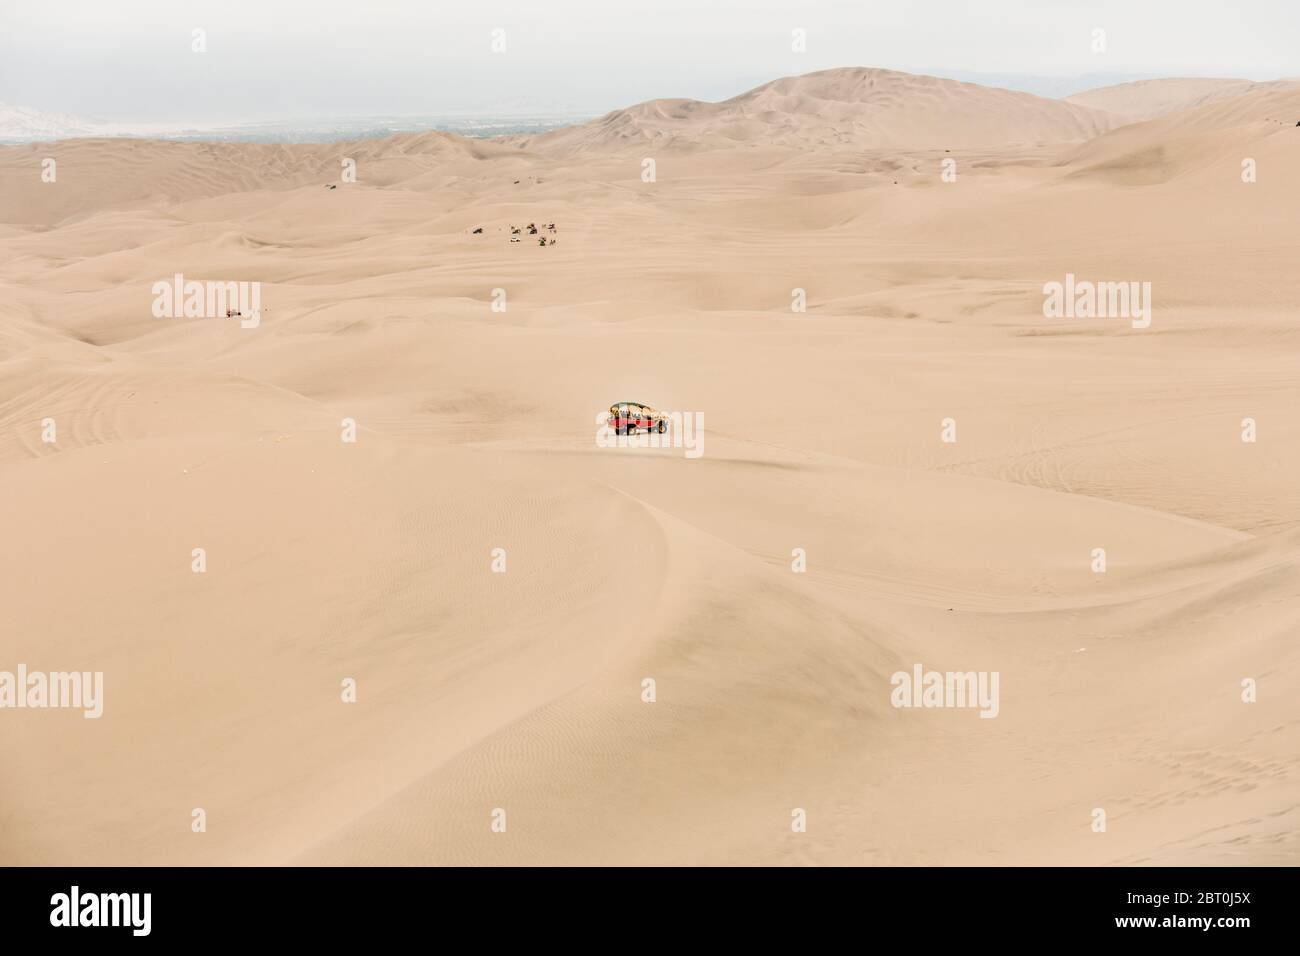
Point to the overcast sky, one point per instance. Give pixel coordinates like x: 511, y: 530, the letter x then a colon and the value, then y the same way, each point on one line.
x: 272, y: 59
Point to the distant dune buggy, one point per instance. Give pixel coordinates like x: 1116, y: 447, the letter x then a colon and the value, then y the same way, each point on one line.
x: 627, y: 417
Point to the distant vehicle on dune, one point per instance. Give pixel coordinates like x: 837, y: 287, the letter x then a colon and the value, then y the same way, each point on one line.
x: 627, y: 417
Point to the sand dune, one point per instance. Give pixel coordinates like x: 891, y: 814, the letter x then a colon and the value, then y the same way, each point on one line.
x: 1148, y: 99
x: 858, y: 108
x: 523, y: 690
x: 1219, y: 132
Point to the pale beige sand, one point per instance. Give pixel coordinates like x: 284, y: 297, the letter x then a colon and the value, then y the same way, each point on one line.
x: 1147, y: 99
x: 522, y: 690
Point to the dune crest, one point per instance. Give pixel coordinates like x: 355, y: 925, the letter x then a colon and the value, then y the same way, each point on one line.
x: 848, y: 107
x: 1148, y: 99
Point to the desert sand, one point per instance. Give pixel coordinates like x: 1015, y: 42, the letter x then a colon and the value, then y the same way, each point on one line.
x: 329, y: 560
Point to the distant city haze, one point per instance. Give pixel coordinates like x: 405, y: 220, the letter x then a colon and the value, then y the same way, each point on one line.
x: 133, y: 60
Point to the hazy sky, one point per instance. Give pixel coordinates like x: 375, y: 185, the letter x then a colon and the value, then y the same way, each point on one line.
x: 132, y: 59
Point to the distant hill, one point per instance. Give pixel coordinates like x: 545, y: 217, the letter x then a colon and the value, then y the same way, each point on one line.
x: 854, y: 106
x: 1147, y: 99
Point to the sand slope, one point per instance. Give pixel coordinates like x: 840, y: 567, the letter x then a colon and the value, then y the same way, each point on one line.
x: 1148, y: 99
x: 860, y: 108
x: 1215, y: 134
x: 475, y: 431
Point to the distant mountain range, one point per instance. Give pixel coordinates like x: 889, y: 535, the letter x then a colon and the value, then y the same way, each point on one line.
x: 19, y: 124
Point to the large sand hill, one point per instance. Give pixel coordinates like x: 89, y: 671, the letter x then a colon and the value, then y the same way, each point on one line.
x: 372, y: 560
